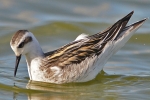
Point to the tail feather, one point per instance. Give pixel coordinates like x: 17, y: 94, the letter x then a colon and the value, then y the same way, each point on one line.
x: 131, y: 27
x: 115, y: 29
x: 112, y: 32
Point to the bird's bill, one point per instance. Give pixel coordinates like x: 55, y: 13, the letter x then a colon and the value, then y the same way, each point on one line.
x: 17, y: 63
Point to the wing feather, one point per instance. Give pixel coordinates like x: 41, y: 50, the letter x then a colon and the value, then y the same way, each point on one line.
x: 77, y: 51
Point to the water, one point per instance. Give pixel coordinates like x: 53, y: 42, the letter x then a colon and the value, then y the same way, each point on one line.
x: 126, y: 76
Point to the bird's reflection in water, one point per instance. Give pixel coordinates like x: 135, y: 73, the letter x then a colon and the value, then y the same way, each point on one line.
x: 47, y: 91
x: 74, y: 91
x: 101, y: 87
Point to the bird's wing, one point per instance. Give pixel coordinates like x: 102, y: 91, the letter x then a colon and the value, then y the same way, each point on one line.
x: 77, y: 51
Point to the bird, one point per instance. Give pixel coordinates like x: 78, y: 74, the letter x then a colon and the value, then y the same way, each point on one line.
x: 78, y: 61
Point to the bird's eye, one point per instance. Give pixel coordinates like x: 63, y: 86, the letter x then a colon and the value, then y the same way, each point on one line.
x: 21, y: 45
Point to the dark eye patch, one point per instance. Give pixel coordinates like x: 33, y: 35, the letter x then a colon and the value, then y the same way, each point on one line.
x: 21, y: 45
x: 27, y: 39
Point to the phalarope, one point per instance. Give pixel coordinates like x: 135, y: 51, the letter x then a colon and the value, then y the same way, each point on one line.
x: 79, y: 61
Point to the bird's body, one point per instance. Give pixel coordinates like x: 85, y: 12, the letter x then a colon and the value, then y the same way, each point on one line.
x: 78, y: 61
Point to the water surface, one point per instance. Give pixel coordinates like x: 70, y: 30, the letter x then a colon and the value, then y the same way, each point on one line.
x: 126, y: 76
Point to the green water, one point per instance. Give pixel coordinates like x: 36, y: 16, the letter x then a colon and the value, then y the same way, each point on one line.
x: 126, y: 76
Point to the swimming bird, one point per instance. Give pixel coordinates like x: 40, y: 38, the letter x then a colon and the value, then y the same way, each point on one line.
x: 78, y: 61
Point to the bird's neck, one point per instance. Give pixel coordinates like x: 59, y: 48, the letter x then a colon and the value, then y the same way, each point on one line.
x: 34, y: 52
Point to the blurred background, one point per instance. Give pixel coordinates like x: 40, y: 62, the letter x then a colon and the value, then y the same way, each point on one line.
x: 126, y: 76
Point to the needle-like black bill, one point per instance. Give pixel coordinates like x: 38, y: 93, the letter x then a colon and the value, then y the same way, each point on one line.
x: 17, y: 63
